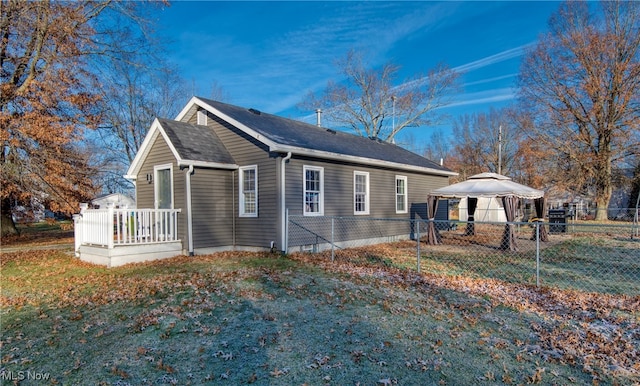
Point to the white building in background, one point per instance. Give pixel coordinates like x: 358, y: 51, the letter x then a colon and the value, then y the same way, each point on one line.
x: 118, y: 200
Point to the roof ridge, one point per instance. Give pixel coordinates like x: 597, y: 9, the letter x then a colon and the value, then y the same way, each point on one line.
x: 282, y: 133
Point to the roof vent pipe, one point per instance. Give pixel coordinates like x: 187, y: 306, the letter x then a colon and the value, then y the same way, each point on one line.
x: 441, y: 162
x: 318, y: 114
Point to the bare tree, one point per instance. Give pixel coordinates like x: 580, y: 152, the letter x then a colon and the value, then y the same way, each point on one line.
x: 369, y: 103
x: 218, y: 93
x: 484, y: 142
x: 634, y: 196
x: 438, y: 147
x: 135, y: 91
x: 579, y: 86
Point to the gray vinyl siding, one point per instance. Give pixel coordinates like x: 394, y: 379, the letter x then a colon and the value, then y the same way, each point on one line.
x: 212, y: 203
x: 339, y: 199
x: 160, y: 154
x: 215, y: 224
x: 338, y: 188
x: 250, y: 231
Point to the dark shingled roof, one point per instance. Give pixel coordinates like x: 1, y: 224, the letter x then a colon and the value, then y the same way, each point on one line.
x: 290, y: 132
x: 196, y: 143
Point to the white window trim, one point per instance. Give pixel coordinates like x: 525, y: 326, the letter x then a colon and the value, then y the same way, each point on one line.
x: 201, y: 117
x: 304, y: 191
x: 241, y: 208
x: 406, y: 194
x: 366, y: 195
x: 157, y: 168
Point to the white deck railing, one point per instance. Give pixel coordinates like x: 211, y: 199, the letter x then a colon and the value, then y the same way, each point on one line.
x: 111, y: 227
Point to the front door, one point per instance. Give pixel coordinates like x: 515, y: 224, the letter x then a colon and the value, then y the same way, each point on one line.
x: 164, y: 187
x: 163, y: 200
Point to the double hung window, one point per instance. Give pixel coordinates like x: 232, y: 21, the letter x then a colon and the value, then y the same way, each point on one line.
x: 313, y: 190
x: 361, y: 192
x: 401, y: 194
x: 248, y: 191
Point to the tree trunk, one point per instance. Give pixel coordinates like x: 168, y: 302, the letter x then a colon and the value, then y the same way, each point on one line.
x: 7, y: 226
x: 601, y: 210
x: 602, y: 203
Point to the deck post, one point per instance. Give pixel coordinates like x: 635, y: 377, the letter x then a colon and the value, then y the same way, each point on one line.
x: 78, y: 228
x: 110, y: 225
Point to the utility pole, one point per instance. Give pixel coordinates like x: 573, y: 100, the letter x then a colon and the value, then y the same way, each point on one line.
x: 500, y: 149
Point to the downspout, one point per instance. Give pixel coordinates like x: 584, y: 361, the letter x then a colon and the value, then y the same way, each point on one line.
x: 188, y: 174
x: 283, y: 202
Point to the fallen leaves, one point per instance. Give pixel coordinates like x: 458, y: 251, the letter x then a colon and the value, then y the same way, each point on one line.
x: 161, y: 365
x: 536, y: 377
x: 594, y: 345
x: 224, y: 356
x: 52, y: 277
x: 612, y: 351
x: 279, y: 372
x: 172, y: 302
x: 319, y: 361
x: 115, y: 370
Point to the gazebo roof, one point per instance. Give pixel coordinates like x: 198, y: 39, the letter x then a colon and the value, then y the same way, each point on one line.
x: 487, y: 185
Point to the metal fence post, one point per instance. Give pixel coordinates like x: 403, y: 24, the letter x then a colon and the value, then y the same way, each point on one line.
x: 285, y: 247
x: 417, y: 222
x: 537, y: 253
x: 332, y: 241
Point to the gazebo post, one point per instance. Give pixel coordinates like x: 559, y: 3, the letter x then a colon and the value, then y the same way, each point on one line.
x: 433, y: 236
x: 472, y: 203
x: 509, y: 236
x: 539, y: 204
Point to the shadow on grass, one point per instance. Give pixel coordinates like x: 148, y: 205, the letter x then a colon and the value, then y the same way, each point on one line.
x: 268, y: 321
x: 39, y: 234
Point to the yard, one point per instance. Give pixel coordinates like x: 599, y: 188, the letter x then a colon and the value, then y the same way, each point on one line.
x: 40, y: 233
x: 241, y: 318
x: 601, y: 262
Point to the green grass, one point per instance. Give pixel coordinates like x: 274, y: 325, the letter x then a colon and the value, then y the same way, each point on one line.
x: 263, y: 319
x: 53, y: 228
x: 40, y: 233
x: 601, y: 265
x: 585, y: 263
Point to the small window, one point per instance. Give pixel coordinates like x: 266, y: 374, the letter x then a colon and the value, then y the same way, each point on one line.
x: 313, y: 190
x: 401, y: 194
x: 361, y: 192
x: 248, y: 181
x: 202, y: 117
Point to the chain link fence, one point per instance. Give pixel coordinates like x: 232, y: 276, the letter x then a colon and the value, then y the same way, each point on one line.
x: 584, y: 256
x: 617, y: 214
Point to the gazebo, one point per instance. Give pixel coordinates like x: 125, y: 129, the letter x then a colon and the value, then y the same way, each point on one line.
x: 487, y: 185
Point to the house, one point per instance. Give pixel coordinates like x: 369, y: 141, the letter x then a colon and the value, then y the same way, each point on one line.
x: 234, y: 174
x: 118, y: 200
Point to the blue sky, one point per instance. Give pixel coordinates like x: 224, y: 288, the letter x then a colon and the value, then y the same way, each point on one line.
x: 269, y: 55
